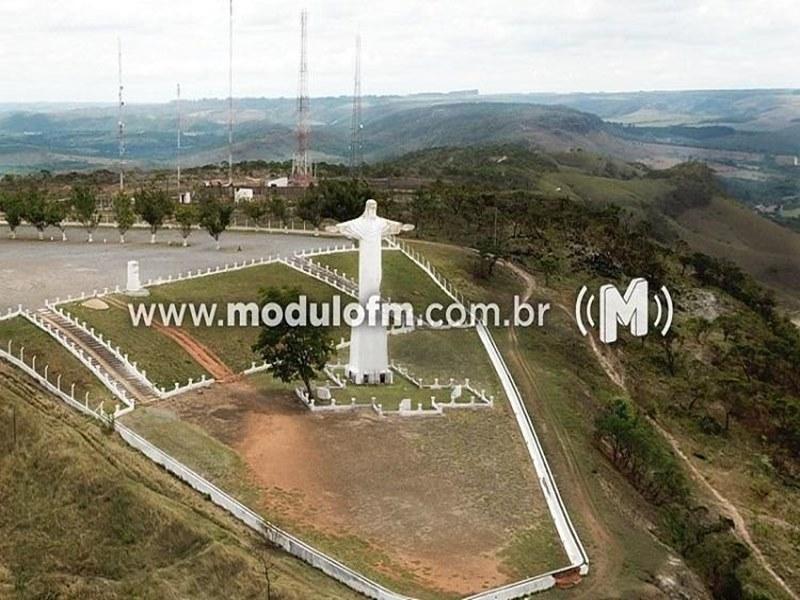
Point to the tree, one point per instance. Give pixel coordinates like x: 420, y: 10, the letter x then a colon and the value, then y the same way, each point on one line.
x: 84, y: 205
x: 187, y: 217
x: 215, y: 216
x: 278, y: 209
x: 491, y: 250
x: 153, y: 205
x: 14, y: 209
x: 309, y: 208
x: 255, y: 211
x: 549, y: 265
x: 123, y: 214
x: 36, y: 211
x: 56, y: 213
x: 294, y: 352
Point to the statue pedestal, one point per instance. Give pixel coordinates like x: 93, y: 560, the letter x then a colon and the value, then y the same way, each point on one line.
x: 133, y: 286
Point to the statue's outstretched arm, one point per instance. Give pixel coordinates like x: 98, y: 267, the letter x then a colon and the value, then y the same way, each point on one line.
x: 395, y: 227
x: 348, y: 228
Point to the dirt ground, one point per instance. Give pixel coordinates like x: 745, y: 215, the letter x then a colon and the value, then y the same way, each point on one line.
x: 449, y: 505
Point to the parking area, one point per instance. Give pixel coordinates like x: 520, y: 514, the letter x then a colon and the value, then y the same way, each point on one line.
x: 32, y: 271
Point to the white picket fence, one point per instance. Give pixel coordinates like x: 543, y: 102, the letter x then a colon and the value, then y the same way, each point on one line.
x: 424, y: 264
x: 11, y: 313
x: 55, y: 387
x: 113, y: 386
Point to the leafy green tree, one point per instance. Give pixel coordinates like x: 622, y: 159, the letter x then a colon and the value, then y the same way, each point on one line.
x: 309, y: 208
x: 14, y: 209
x: 294, y: 352
x: 277, y: 209
x: 255, y: 211
x: 187, y: 217
x: 84, y: 205
x: 56, y: 213
x: 123, y: 214
x: 154, y: 205
x: 549, y: 265
x: 36, y: 210
x: 215, y: 216
x: 490, y: 251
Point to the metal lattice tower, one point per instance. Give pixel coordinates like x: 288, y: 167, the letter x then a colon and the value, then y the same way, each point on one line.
x: 357, y: 125
x: 302, y: 170
x: 230, y: 94
x: 120, y: 121
x: 180, y: 129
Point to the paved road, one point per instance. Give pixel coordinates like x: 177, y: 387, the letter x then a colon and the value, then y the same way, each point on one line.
x: 32, y: 271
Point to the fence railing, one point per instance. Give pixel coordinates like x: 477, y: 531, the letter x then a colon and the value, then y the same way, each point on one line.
x: 11, y: 313
x: 79, y: 353
x: 327, y: 564
x: 56, y: 388
x: 566, y: 531
x: 426, y: 265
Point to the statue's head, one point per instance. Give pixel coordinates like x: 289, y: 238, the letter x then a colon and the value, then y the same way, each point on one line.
x: 371, y: 210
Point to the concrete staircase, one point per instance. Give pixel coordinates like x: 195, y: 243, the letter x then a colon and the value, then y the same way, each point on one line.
x: 99, y: 356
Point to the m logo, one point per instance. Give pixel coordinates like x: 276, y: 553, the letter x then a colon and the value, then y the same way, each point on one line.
x: 631, y: 309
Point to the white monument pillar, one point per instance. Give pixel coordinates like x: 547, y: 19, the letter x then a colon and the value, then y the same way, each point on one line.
x: 369, y: 348
x: 134, y: 285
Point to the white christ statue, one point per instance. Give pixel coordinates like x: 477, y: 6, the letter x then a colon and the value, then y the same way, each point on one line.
x: 369, y: 352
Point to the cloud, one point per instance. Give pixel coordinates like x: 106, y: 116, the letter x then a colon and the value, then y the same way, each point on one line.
x: 67, y: 51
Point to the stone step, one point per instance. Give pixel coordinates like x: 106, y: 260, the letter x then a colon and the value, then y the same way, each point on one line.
x: 100, y: 356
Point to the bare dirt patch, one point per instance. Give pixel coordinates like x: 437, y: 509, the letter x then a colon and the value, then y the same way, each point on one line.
x: 434, y: 507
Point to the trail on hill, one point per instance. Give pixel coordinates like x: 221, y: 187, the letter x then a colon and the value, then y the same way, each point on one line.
x: 615, y: 374
x: 607, y: 564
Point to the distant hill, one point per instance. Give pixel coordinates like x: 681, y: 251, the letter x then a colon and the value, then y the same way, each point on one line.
x: 660, y: 127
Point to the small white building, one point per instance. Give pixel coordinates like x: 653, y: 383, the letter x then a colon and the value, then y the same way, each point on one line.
x: 280, y: 182
x: 243, y: 194
x: 185, y: 198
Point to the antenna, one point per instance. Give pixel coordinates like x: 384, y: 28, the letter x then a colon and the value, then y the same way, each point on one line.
x: 356, y: 131
x: 230, y: 94
x: 302, y: 170
x: 120, y: 122
x: 180, y: 126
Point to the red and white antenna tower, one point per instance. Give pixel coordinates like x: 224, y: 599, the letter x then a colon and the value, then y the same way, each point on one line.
x: 302, y: 169
x: 356, y: 134
x: 180, y: 131
x: 120, y: 121
x: 230, y: 93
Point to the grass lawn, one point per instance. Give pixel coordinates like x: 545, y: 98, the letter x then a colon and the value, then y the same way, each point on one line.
x: 403, y: 281
x: 48, y: 351
x: 163, y: 359
x: 446, y: 353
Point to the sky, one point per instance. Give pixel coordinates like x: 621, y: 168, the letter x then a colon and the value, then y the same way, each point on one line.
x: 67, y: 50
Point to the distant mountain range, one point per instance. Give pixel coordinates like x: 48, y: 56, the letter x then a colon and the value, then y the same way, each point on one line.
x: 630, y: 125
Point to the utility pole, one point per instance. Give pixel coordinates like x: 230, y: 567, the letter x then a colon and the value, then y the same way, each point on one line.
x: 120, y: 121
x: 356, y: 127
x: 178, y: 149
x: 230, y: 94
x: 302, y: 170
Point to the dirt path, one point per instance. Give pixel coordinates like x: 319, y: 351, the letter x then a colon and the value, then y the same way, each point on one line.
x: 615, y: 374
x: 199, y: 352
x: 606, y: 565
x: 728, y: 506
